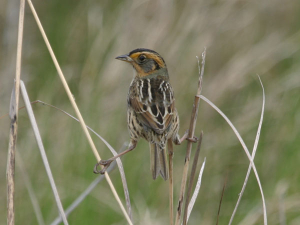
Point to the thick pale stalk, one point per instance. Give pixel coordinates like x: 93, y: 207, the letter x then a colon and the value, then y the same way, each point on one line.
x: 14, y: 105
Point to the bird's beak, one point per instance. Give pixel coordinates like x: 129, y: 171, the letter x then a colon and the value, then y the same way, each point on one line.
x: 125, y: 58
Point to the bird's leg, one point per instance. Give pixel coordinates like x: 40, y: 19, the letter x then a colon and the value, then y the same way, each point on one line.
x: 106, y: 163
x: 179, y: 140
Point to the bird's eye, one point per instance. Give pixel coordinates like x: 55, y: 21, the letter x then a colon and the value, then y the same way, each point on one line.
x: 142, y: 58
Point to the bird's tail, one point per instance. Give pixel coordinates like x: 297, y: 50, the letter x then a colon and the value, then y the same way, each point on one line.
x: 159, y: 164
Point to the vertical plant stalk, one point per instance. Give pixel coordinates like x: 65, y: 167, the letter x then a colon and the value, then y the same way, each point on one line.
x: 42, y: 151
x: 190, y: 135
x: 191, y: 181
x: 171, y: 192
x: 10, y: 170
x: 14, y: 105
x: 71, y: 98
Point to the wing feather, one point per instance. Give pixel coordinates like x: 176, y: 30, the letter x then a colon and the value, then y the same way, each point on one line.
x: 153, y: 101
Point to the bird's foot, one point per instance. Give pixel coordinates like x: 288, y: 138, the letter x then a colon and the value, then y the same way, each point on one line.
x: 185, y: 137
x: 194, y: 139
x: 104, y: 163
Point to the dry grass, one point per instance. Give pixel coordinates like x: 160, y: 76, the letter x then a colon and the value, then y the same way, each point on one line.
x: 75, y: 107
x: 242, y: 39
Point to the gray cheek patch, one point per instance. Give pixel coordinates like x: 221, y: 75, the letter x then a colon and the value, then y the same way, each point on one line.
x: 147, y: 66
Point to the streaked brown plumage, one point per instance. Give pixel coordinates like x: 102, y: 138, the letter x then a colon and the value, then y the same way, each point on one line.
x: 151, y: 112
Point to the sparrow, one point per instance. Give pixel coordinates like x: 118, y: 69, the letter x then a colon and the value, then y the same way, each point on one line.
x: 151, y: 112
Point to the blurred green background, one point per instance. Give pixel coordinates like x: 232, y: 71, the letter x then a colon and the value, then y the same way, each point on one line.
x: 243, y: 38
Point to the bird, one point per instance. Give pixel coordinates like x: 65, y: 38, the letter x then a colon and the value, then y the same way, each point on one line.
x: 151, y: 112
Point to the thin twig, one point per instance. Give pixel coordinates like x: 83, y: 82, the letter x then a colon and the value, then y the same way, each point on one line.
x: 196, y: 192
x: 253, y: 153
x: 23, y: 107
x: 171, y: 192
x: 191, y: 180
x: 190, y: 135
x: 14, y: 104
x: 71, y: 98
x: 223, y: 190
x: 42, y: 151
x: 246, y: 151
x: 32, y: 195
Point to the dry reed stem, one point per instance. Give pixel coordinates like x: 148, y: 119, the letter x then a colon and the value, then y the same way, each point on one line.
x: 32, y: 195
x: 171, y: 190
x: 253, y: 152
x: 10, y: 170
x: 71, y: 98
x: 14, y: 104
x: 42, y: 151
x: 191, y: 180
x: 190, y: 135
x: 246, y: 151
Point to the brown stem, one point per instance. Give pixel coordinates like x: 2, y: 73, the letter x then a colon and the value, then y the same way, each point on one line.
x: 10, y: 173
x: 170, y: 150
x: 190, y: 135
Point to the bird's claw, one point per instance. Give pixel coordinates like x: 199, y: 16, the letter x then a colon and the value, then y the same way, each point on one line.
x: 104, y: 163
x: 185, y: 137
x: 194, y: 139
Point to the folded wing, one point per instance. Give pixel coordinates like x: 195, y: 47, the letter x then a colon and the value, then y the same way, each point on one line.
x: 153, y: 101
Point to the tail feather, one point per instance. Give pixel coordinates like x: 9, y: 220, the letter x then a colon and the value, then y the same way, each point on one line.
x: 159, y: 164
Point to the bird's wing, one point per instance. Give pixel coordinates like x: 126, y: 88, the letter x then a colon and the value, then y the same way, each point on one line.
x: 153, y: 103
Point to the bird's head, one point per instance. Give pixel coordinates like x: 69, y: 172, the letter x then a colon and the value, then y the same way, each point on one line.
x: 145, y: 62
